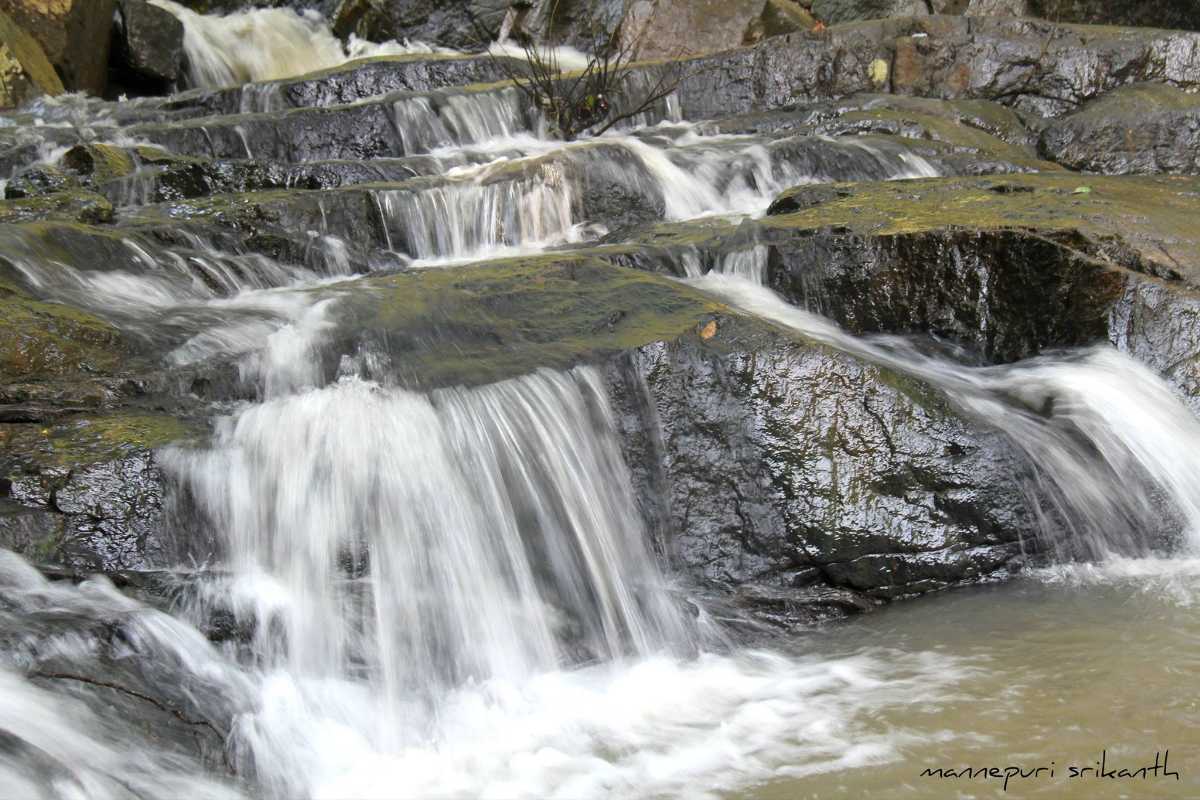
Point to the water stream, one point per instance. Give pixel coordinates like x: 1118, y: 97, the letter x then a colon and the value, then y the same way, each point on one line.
x: 454, y: 594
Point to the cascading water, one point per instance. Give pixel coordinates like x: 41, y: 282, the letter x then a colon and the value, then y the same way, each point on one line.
x: 454, y: 594
x: 1107, y: 435
x: 267, y: 44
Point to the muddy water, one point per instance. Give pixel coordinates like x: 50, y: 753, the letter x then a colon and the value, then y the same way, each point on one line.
x: 1050, y: 670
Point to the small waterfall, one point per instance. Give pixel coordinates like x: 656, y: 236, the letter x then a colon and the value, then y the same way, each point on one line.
x: 703, y: 176
x: 267, y: 44
x: 1116, y: 451
x: 427, y: 123
x: 469, y: 220
x: 425, y: 541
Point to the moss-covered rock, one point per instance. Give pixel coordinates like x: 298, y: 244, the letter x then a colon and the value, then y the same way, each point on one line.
x: 1141, y: 129
x: 492, y: 321
x: 25, y: 72
x: 40, y: 340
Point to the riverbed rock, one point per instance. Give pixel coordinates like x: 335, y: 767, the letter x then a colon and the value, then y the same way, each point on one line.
x: 763, y: 461
x: 147, y: 47
x: 1181, y: 14
x: 1031, y: 65
x: 1141, y: 129
x: 25, y: 72
x: 73, y: 33
x: 93, y: 491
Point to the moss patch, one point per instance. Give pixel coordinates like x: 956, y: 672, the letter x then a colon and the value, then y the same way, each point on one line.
x: 89, y: 439
x: 1154, y: 217
x: 39, y: 339
x: 491, y: 321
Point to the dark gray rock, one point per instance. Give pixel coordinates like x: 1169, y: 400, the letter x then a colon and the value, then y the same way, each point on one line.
x: 786, y: 463
x: 1031, y: 65
x: 109, y: 515
x: 147, y: 48
x: 1142, y: 129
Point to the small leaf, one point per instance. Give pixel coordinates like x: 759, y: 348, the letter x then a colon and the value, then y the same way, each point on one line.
x: 1082, y: 190
x: 709, y: 330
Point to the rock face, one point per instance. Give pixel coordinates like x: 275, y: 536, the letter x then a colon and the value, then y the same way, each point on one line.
x: 463, y: 24
x: 798, y: 479
x: 74, y: 35
x: 786, y: 468
x: 678, y: 28
x: 147, y: 47
x: 25, y: 73
x: 1141, y: 129
x: 1030, y: 65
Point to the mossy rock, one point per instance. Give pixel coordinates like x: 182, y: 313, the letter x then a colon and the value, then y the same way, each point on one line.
x: 487, y: 322
x: 74, y: 205
x: 99, y: 162
x: 89, y: 439
x: 40, y: 339
x: 25, y: 71
x: 1145, y: 223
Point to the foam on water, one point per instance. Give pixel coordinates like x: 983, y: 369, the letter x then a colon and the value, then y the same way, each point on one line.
x: 267, y: 44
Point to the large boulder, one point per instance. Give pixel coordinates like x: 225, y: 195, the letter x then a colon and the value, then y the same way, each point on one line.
x: 25, y: 73
x: 74, y: 34
x: 453, y: 23
x: 147, y: 47
x: 676, y: 28
x: 777, y: 467
x: 1146, y: 128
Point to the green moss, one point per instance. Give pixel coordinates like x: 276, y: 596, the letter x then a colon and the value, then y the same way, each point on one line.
x: 490, y: 321
x: 39, y: 339
x: 90, y: 439
x: 75, y: 205
x: 947, y: 130
x: 1155, y: 216
x: 101, y: 162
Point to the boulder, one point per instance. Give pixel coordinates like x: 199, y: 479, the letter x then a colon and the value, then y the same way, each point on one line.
x: 25, y: 73
x: 74, y: 35
x: 677, y: 28
x: 1141, y: 129
x: 779, y: 464
x: 452, y: 23
x: 147, y: 48
x: 1179, y: 14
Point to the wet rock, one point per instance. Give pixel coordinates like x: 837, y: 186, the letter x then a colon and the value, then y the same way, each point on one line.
x: 353, y: 82
x: 1007, y: 266
x: 25, y: 72
x: 832, y: 12
x: 451, y: 23
x: 1030, y: 65
x: 1180, y: 14
x: 495, y: 320
x: 147, y: 47
x: 1147, y: 128
x: 74, y: 35
x: 777, y: 463
x: 94, y: 492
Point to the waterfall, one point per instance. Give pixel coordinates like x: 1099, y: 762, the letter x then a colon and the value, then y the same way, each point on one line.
x: 267, y: 44
x: 470, y: 220
x: 1109, y: 439
x: 496, y: 527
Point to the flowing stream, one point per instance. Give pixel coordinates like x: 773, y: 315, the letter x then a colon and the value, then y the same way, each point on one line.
x: 454, y: 594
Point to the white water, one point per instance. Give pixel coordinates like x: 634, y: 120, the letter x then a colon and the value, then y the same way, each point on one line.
x: 268, y: 44
x: 453, y: 595
x: 1109, y: 438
